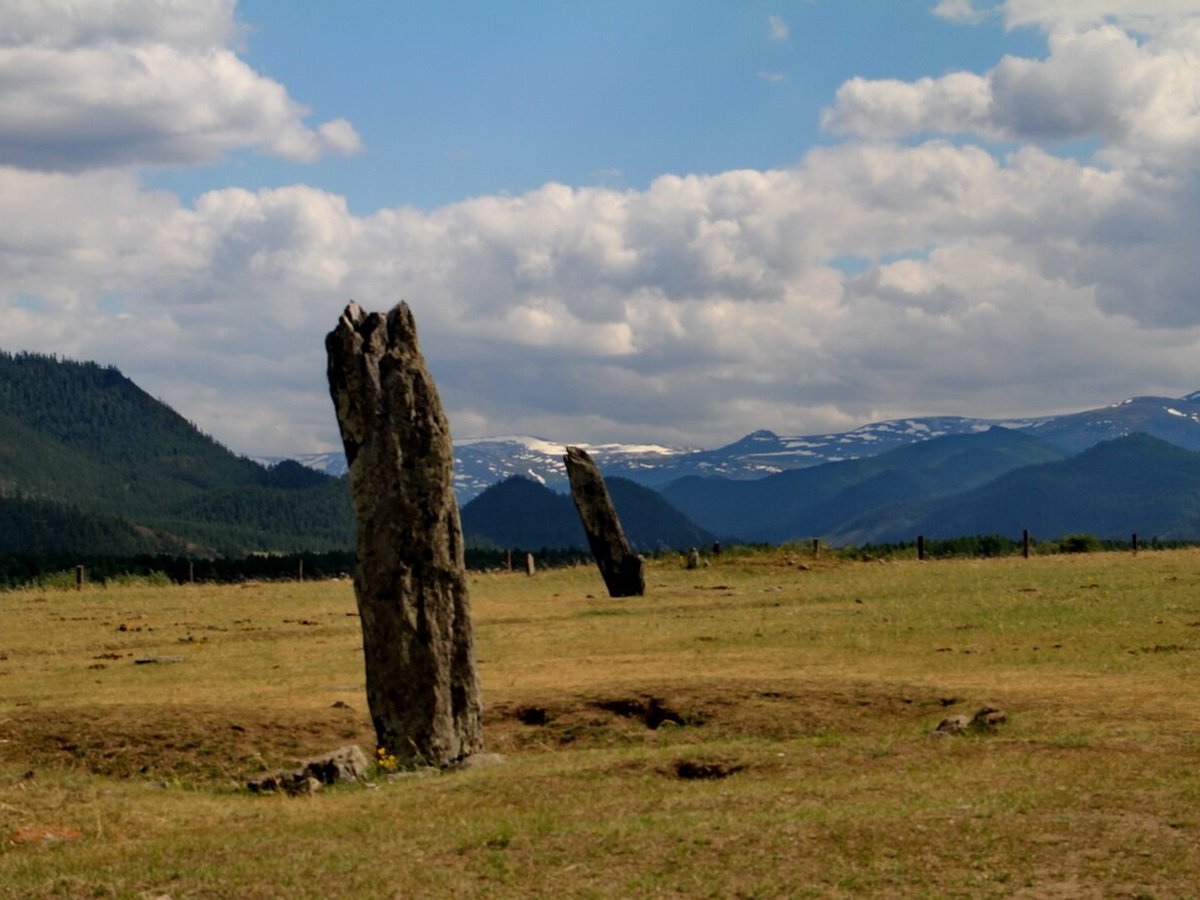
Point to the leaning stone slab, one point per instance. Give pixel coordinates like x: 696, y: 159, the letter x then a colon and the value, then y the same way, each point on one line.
x: 620, y: 568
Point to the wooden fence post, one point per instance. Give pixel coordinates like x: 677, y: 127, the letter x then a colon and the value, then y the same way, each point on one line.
x: 921, y: 547
x: 1025, y: 543
x: 816, y: 545
x: 79, y: 578
x: 1133, y: 542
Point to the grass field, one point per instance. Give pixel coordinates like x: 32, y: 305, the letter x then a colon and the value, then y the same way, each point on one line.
x: 758, y: 728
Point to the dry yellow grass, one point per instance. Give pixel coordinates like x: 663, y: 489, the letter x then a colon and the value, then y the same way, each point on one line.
x: 806, y: 691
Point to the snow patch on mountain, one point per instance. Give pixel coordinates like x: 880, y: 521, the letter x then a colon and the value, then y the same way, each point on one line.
x: 481, y: 462
x: 330, y: 463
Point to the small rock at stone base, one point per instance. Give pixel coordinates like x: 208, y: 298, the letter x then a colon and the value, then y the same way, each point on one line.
x: 344, y: 764
x: 988, y: 717
x: 985, y: 719
x: 480, y: 761
x: 953, y: 725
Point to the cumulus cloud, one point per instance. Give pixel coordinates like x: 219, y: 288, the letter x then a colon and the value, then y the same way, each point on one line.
x: 1142, y: 16
x: 65, y: 24
x: 889, y: 108
x: 962, y: 11
x: 873, y: 278
x: 141, y: 82
x: 778, y: 28
x: 693, y: 310
x: 1139, y: 99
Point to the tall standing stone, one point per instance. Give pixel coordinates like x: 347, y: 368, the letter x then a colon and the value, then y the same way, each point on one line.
x: 410, y: 580
x: 621, y: 569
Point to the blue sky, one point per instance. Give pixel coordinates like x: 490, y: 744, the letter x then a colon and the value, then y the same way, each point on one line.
x: 614, y: 221
x: 455, y: 100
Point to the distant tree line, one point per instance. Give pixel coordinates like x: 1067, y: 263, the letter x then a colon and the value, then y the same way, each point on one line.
x: 20, y: 570
x: 991, y: 545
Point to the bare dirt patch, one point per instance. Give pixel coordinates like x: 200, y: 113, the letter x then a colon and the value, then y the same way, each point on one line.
x: 693, y: 770
x: 226, y: 745
x: 171, y: 742
x: 723, y: 709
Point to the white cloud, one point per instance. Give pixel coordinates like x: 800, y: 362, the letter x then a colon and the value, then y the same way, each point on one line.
x: 338, y: 136
x: 1140, y: 100
x: 958, y: 102
x: 119, y: 83
x: 197, y: 24
x: 1142, y: 16
x: 962, y: 11
x: 694, y: 310
x: 778, y: 28
x: 870, y: 279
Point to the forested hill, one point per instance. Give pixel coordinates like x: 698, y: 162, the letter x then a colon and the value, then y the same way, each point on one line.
x: 79, y: 440
x: 96, y: 414
x: 519, y: 512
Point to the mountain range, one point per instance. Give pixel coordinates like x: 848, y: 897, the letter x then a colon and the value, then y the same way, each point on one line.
x: 482, y: 462
x: 995, y: 482
x: 1135, y: 484
x: 817, y: 501
x: 1130, y: 467
x: 90, y: 463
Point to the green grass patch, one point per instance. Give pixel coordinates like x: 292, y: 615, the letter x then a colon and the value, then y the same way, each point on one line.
x: 757, y: 728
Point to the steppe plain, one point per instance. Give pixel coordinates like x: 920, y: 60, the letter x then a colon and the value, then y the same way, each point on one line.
x: 760, y: 727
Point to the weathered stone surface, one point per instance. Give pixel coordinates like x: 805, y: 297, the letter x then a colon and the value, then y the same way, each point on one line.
x: 346, y: 764
x: 693, y: 559
x: 294, y: 783
x: 953, y: 725
x: 985, y: 719
x: 989, y: 717
x: 410, y: 581
x: 621, y: 569
x: 482, y: 761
